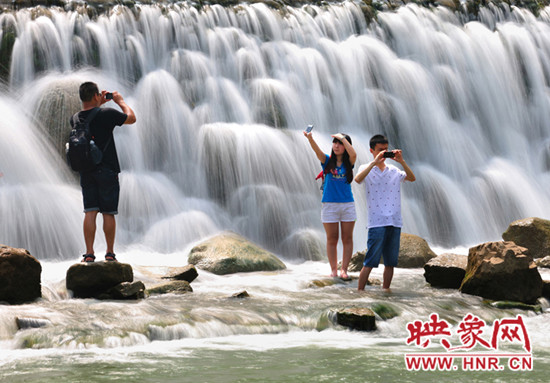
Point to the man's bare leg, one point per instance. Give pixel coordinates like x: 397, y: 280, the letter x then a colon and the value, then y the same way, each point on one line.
x: 89, y: 230
x: 363, y: 277
x: 109, y: 228
x: 388, y: 276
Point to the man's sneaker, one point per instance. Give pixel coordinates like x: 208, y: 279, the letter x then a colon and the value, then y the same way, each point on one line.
x: 110, y: 257
x: 88, y: 258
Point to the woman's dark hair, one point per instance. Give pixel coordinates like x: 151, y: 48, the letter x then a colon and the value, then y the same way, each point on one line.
x: 347, y: 164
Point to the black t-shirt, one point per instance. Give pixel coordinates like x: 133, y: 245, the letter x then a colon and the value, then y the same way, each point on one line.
x: 101, y: 129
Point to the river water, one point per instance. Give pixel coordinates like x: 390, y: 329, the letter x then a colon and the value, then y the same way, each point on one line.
x: 221, y: 96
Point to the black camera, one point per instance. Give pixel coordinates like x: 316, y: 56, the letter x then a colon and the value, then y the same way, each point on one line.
x: 108, y: 96
x: 389, y: 154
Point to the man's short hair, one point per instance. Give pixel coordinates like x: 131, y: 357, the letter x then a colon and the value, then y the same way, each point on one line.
x: 87, y: 91
x: 377, y: 139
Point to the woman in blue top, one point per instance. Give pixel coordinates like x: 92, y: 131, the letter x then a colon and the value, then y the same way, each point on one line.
x: 338, y: 205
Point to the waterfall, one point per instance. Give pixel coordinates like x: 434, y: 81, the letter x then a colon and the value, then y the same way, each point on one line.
x: 222, y: 95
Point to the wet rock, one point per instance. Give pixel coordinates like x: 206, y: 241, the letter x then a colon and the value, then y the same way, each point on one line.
x: 446, y: 270
x: 414, y: 251
x: 355, y: 318
x: 305, y: 244
x: 543, y: 262
x: 25, y: 323
x: 325, y: 282
x: 546, y: 289
x: 19, y: 275
x: 507, y: 305
x: 356, y: 262
x: 384, y: 310
x: 125, y: 291
x: 241, y: 295
x: 91, y: 280
x: 532, y: 233
x: 502, y: 271
x: 174, y: 287
x: 230, y: 253
x: 187, y: 273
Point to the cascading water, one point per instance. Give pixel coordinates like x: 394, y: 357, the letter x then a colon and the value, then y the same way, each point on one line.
x: 222, y: 95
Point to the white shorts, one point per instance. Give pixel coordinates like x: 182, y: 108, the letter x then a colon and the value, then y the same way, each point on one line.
x: 334, y: 212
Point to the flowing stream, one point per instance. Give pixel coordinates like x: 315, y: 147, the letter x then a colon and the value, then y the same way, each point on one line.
x: 222, y: 95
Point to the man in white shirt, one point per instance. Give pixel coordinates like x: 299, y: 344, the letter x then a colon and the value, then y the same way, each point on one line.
x: 383, y: 187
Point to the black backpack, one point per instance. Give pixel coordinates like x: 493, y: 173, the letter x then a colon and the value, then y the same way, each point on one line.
x: 82, y: 153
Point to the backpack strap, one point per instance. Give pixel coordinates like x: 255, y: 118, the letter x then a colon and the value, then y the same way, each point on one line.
x: 89, y: 118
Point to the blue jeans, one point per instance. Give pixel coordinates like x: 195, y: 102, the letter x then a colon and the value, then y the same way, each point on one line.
x: 383, y: 241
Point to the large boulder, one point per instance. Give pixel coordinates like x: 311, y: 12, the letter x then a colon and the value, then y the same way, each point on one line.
x: 502, y: 271
x: 95, y: 279
x: 229, y: 253
x: 532, y: 233
x: 19, y: 276
x: 414, y: 251
x: 446, y: 270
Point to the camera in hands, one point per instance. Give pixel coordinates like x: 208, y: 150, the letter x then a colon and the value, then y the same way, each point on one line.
x: 108, y: 96
x: 309, y: 128
x: 389, y: 154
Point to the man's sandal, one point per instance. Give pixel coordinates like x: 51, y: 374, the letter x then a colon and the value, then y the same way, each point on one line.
x: 88, y: 258
x: 110, y: 257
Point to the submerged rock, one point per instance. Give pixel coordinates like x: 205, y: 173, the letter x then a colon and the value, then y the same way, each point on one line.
x: 19, y: 275
x: 446, y: 270
x: 174, y: 287
x: 507, y: 305
x: 187, y: 273
x: 91, y: 280
x: 502, y: 271
x: 532, y: 233
x: 355, y: 318
x: 385, y: 310
x: 230, y: 253
x: 241, y: 295
x: 25, y: 323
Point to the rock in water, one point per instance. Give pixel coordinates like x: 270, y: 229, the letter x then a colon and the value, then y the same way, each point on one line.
x: 19, y: 275
x: 446, y: 270
x: 230, y: 253
x: 91, y: 280
x: 502, y: 271
x: 187, y: 273
x: 173, y: 287
x: 532, y: 233
x: 125, y: 291
x: 414, y: 251
x: 355, y: 318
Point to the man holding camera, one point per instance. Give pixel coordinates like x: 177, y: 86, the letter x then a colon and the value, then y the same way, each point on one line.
x: 383, y: 187
x: 100, y: 186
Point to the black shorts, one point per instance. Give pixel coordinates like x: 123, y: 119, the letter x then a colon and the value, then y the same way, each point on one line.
x: 100, y: 190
